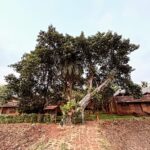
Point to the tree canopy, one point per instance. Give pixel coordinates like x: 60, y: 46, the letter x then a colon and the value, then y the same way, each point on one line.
x: 61, y: 64
x: 5, y: 93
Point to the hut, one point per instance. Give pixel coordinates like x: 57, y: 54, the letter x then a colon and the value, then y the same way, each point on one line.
x: 52, y: 110
x: 124, y: 104
x: 9, y: 108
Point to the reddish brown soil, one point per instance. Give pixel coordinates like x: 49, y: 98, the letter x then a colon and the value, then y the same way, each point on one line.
x: 22, y: 136
x: 127, y: 135
x: 108, y: 135
x: 51, y: 137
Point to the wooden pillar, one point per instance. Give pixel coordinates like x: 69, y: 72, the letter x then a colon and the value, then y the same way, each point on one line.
x: 1, y: 110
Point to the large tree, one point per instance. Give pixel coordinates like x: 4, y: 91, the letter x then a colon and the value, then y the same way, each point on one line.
x: 5, y: 94
x: 61, y: 63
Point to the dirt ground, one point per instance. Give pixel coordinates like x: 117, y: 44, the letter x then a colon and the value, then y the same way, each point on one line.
x: 127, y: 135
x: 106, y: 135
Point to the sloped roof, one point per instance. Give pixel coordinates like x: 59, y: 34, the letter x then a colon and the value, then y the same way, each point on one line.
x: 50, y: 107
x: 120, y: 99
x: 12, y: 103
x: 131, y: 99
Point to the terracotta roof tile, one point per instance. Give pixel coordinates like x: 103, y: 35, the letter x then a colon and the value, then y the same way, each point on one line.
x: 12, y: 103
x: 50, y: 107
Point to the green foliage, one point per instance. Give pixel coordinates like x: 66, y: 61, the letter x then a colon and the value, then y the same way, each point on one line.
x: 144, y: 84
x: 68, y: 107
x: 26, y: 118
x: 47, y: 118
x: 57, y: 64
x: 101, y: 99
x: 134, y: 89
x: 105, y: 116
x: 40, y: 118
x: 5, y: 93
x: 76, y: 117
x: 13, y: 83
x: 31, y: 105
x: 90, y: 117
x: 78, y: 94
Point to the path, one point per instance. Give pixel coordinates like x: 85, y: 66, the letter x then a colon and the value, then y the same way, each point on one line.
x: 79, y: 137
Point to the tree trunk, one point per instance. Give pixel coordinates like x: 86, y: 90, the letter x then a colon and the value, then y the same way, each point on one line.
x: 68, y: 90
x: 90, y: 82
x: 85, y: 100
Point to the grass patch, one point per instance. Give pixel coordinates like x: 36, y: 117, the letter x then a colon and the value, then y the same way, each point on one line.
x: 105, y: 116
x: 90, y: 117
x: 26, y: 118
x: 45, y: 118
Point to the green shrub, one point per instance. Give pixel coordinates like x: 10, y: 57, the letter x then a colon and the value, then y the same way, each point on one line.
x: 34, y: 118
x: 76, y: 118
x: 40, y: 118
x: 26, y: 118
x: 19, y: 119
x: 47, y: 118
x: 68, y: 106
x: 90, y: 117
x: 58, y: 118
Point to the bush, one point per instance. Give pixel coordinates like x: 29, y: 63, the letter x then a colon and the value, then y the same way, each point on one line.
x: 77, y: 118
x: 26, y: 118
x: 47, y: 118
x: 58, y: 118
x: 40, y: 118
x: 34, y: 118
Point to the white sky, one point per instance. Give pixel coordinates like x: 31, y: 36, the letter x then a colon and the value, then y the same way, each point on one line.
x: 21, y: 21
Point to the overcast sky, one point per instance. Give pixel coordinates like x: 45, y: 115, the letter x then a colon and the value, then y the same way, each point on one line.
x: 21, y: 21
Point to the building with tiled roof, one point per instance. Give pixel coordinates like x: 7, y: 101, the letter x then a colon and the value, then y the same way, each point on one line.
x: 9, y: 108
x: 122, y: 103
